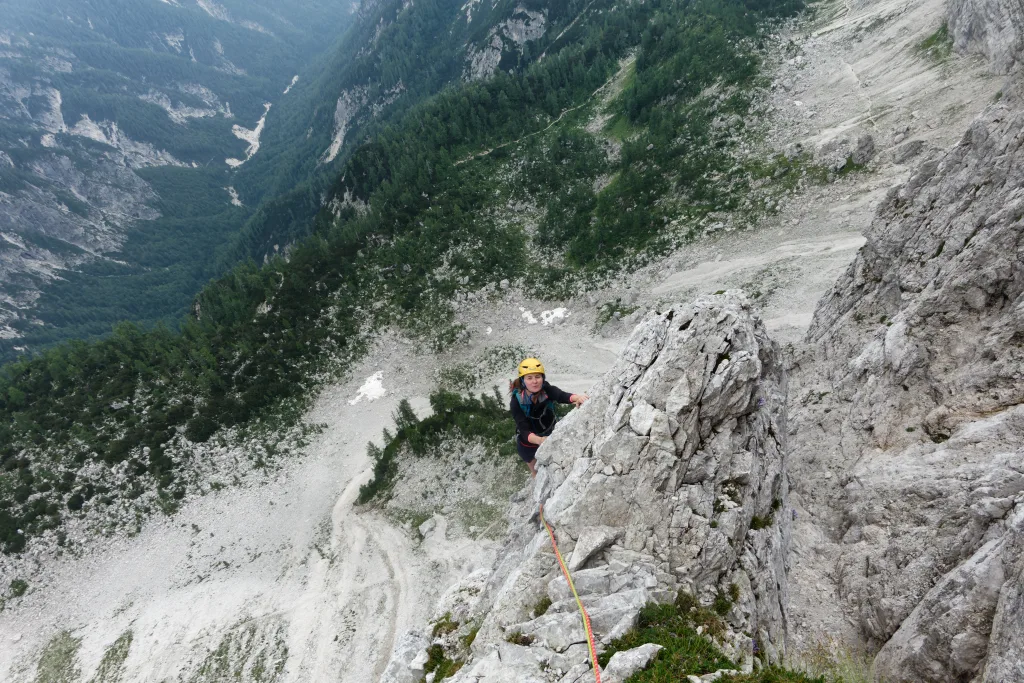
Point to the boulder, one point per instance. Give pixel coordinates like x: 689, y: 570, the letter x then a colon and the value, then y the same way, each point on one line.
x: 625, y: 663
x: 407, y: 659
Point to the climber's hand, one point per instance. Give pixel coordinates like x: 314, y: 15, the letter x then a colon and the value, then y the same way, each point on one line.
x: 578, y: 399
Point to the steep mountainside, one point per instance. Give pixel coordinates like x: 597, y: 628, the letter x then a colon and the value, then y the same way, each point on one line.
x: 120, y: 124
x: 201, y: 506
x: 910, y: 439
x: 909, y: 442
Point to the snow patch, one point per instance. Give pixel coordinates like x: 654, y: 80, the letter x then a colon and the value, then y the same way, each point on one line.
x: 546, y: 317
x: 250, y: 136
x: 554, y: 315
x: 291, y: 85
x: 372, y: 389
x: 235, y: 200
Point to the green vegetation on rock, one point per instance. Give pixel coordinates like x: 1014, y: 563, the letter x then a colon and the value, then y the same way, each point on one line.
x: 111, y: 668
x: 689, y: 652
x: 938, y: 46
x: 57, y: 662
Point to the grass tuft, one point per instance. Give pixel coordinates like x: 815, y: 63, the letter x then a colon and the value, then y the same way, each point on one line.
x: 518, y: 638
x: 439, y: 664
x: 938, y: 46
x: 445, y: 625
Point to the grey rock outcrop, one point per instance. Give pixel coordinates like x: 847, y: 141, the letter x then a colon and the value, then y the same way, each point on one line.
x: 509, y: 36
x: 992, y: 28
x: 624, y: 664
x: 669, y: 478
x: 912, y: 394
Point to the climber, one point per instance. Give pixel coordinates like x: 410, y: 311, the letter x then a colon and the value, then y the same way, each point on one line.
x: 533, y: 408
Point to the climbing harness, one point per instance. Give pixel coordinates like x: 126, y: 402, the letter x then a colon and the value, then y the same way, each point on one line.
x: 545, y: 419
x: 579, y: 603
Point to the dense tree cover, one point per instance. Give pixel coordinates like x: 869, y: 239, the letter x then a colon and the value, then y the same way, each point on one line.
x: 413, y: 224
x: 162, y: 263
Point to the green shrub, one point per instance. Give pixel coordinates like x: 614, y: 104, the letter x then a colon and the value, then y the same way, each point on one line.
x: 542, y: 606
x: 18, y: 588
x: 444, y: 625
x: 518, y: 638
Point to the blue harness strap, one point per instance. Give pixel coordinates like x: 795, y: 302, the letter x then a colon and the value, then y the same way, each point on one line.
x: 546, y: 405
x: 526, y: 404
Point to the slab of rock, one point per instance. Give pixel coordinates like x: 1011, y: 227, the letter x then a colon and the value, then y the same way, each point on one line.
x: 625, y: 663
x: 592, y: 539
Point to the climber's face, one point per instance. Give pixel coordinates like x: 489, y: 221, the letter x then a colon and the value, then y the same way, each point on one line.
x: 534, y: 382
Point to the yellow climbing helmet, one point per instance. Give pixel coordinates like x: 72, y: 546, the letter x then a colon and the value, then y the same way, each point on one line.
x: 531, y: 366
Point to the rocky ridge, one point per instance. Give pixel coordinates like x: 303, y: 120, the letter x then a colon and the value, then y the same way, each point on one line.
x: 670, y: 478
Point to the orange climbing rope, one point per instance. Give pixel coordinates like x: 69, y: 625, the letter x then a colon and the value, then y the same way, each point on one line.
x: 579, y: 603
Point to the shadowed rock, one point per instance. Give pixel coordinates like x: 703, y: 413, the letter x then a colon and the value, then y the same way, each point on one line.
x: 914, y: 397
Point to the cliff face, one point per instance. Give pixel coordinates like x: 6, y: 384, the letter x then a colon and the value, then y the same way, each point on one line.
x: 914, y: 398
x: 991, y: 28
x: 652, y: 486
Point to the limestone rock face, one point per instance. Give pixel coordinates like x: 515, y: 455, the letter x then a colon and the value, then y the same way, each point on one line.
x: 688, y: 495
x: 912, y: 394
x: 507, y: 36
x: 993, y: 28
